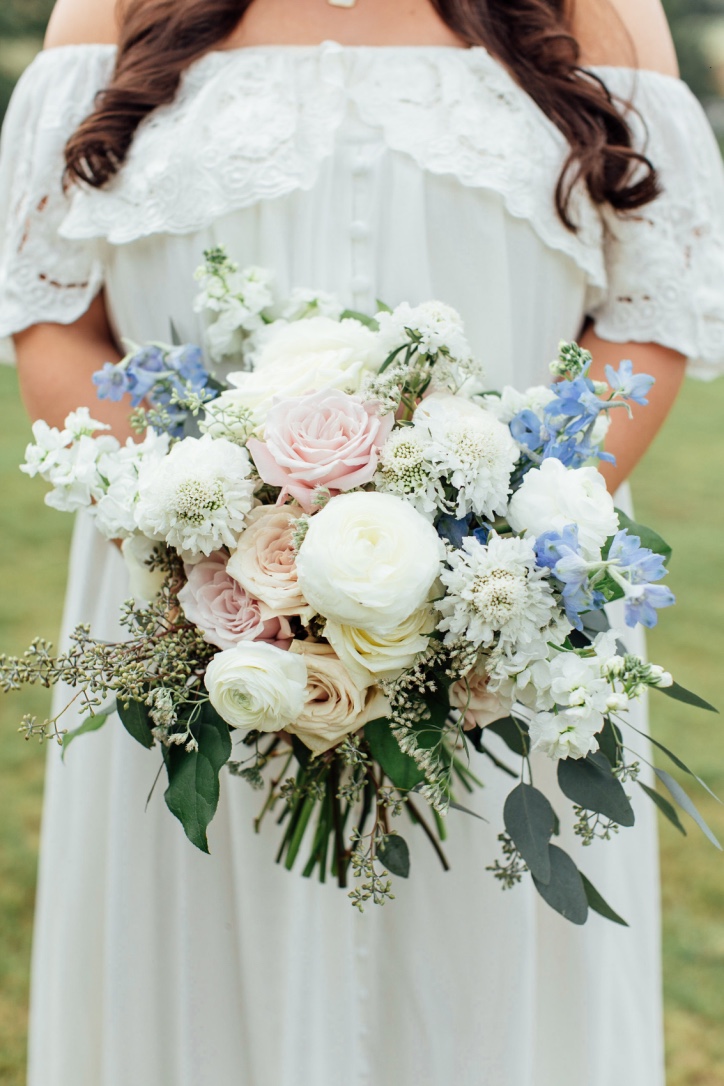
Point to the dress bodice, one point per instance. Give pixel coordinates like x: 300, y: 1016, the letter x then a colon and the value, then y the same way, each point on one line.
x: 375, y: 172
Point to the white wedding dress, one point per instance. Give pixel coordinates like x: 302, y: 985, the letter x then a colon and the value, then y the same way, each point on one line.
x: 391, y: 173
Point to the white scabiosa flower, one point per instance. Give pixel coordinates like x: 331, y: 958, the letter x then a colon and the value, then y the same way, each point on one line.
x: 433, y: 326
x: 472, y: 452
x: 570, y: 733
x: 495, y: 593
x: 405, y: 470
x: 197, y: 497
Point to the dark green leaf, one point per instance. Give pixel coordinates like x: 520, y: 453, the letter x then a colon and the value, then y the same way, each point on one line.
x: 394, y: 854
x: 664, y: 806
x: 685, y: 803
x: 530, y: 821
x: 465, y: 810
x: 136, y: 721
x: 610, y: 741
x: 400, y: 768
x: 676, y: 760
x: 193, y: 779
x: 590, y: 783
x: 363, y: 318
x: 599, y: 904
x: 301, y: 751
x: 514, y: 734
x: 680, y: 693
x: 649, y: 538
x: 91, y: 724
x: 564, y: 891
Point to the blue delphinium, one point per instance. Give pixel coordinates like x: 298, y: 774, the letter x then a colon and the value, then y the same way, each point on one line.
x: 112, y: 383
x: 634, y: 568
x: 630, y: 386
x: 560, y: 552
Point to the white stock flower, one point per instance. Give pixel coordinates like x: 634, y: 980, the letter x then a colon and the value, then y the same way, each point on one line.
x: 197, y: 497
x: 302, y: 304
x: 368, y: 560
x: 512, y: 401
x: 577, y: 681
x: 470, y: 450
x: 495, y: 592
x: 553, y: 496
x: 305, y: 356
x: 257, y: 685
x: 522, y: 673
x: 335, y: 703
x: 434, y: 325
x: 571, y: 733
x: 115, y: 511
x: 372, y: 657
x: 235, y: 298
x: 67, y: 459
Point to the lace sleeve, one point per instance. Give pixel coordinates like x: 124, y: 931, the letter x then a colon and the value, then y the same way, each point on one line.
x: 665, y: 262
x: 43, y: 277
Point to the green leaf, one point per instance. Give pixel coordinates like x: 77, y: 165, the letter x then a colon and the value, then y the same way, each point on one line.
x: 382, y: 307
x: 686, y: 804
x: 363, y: 318
x: 590, y: 783
x: 664, y: 806
x: 394, y: 854
x: 564, y: 891
x: 530, y: 821
x: 193, y: 779
x: 610, y: 741
x: 680, y: 693
x: 402, y: 770
x: 91, y: 724
x: 676, y: 760
x: 649, y: 538
x: 599, y: 904
x: 514, y: 734
x: 136, y: 721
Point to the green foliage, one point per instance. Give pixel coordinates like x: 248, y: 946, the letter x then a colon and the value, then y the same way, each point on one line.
x: 394, y: 854
x: 564, y: 891
x: 136, y: 721
x: 531, y: 822
x: 400, y: 768
x: 590, y: 783
x: 193, y: 775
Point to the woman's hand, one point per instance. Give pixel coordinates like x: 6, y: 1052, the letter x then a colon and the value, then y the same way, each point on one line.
x: 629, y: 442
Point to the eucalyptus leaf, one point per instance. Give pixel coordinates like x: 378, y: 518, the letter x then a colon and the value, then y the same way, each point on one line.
x: 514, y: 734
x: 530, y: 821
x: 402, y: 770
x: 649, y: 538
x: 193, y: 778
x: 677, y: 761
x: 666, y: 808
x: 680, y: 693
x: 394, y: 854
x: 590, y: 783
x: 136, y: 721
x: 610, y: 741
x: 686, y: 803
x: 564, y: 891
x: 599, y: 904
x: 91, y: 723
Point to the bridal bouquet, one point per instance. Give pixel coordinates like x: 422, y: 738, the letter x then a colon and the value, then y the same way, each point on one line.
x: 350, y: 565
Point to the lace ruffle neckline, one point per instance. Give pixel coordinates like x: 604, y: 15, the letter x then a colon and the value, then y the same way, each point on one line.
x: 257, y: 123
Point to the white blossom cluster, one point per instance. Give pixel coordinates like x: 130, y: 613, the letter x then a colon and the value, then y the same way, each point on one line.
x: 233, y: 300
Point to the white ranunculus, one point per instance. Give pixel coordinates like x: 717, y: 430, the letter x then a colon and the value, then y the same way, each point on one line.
x: 553, y: 496
x: 304, y: 356
x: 368, y: 560
x: 372, y: 657
x: 257, y: 686
x: 144, y: 583
x: 512, y: 401
x: 335, y: 703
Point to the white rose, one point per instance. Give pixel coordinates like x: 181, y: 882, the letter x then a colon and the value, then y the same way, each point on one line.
x: 372, y: 657
x: 304, y: 356
x: 335, y: 705
x: 368, y: 560
x: 143, y: 583
x: 257, y: 686
x: 553, y: 496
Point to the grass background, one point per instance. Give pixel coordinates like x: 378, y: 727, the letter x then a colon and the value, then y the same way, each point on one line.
x: 678, y: 490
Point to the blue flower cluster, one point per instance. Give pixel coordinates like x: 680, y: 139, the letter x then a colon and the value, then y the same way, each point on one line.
x: 628, y: 565
x: 157, y: 374
x: 567, y: 427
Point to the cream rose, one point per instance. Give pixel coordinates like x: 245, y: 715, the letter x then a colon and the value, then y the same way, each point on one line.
x: 264, y: 562
x: 304, y: 356
x: 257, y: 686
x: 372, y: 657
x: 368, y: 560
x: 335, y: 705
x: 479, y: 705
x: 553, y: 496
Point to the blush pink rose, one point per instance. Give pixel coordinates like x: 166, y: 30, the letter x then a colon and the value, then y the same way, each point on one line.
x: 322, y: 439
x: 223, y: 610
x: 478, y: 705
